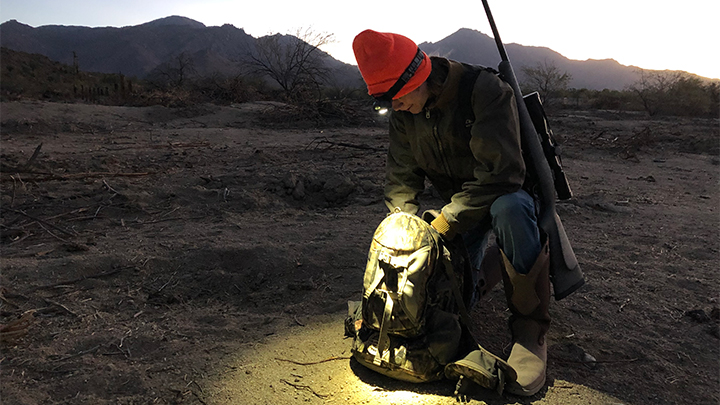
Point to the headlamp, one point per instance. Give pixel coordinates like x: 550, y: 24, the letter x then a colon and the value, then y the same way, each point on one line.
x: 383, y: 102
x: 382, y: 105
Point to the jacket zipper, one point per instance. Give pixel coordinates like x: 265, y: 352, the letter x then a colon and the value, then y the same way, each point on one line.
x: 439, y: 145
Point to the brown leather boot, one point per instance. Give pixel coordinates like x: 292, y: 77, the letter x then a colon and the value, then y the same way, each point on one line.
x: 528, y: 297
x: 490, y: 271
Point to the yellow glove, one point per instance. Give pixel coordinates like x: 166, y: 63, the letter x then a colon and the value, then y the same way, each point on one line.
x: 443, y: 227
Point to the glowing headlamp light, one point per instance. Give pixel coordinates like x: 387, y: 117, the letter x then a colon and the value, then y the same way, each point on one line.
x: 382, y: 105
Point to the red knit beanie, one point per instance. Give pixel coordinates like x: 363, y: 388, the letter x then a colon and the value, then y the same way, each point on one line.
x: 382, y: 57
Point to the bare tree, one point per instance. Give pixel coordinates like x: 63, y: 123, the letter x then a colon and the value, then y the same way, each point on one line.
x: 652, y: 88
x: 294, y: 62
x: 175, y: 72
x: 547, y: 79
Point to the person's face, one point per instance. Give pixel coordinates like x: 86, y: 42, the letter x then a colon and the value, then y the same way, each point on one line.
x: 414, y: 101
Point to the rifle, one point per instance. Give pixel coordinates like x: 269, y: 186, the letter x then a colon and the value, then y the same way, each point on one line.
x: 565, y: 272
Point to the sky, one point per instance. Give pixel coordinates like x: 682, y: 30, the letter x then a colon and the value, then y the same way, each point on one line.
x: 660, y: 35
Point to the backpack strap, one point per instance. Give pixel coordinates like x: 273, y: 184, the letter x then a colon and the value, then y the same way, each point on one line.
x: 465, y: 89
x: 450, y: 272
x: 466, y: 116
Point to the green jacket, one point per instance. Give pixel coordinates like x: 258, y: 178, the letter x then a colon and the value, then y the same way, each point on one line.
x: 469, y: 163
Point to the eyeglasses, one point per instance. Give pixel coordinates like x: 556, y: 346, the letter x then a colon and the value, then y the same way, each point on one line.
x: 383, y: 102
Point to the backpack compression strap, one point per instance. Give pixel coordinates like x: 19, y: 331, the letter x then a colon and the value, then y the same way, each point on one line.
x: 390, y: 296
x: 383, y: 339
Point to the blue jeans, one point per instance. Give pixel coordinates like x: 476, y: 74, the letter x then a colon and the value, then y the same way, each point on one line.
x: 514, y: 223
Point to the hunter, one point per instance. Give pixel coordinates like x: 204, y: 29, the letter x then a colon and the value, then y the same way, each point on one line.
x: 476, y: 166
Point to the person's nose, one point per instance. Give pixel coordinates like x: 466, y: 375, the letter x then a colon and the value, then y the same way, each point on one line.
x: 397, y: 105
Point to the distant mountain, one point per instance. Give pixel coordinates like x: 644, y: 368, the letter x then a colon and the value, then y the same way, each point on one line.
x: 472, y: 46
x: 135, y: 50
x: 174, y: 20
x: 138, y: 50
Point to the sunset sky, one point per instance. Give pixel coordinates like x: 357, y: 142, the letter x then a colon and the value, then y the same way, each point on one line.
x: 650, y: 35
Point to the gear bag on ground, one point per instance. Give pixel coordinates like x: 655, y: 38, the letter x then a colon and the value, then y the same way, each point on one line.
x: 407, y: 324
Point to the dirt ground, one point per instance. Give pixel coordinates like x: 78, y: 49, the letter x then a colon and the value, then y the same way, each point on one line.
x: 206, y: 255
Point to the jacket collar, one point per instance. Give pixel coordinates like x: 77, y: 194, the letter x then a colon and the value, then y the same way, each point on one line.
x: 449, y: 89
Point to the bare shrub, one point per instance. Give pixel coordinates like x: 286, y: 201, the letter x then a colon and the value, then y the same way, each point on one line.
x: 547, y: 79
x: 293, y: 62
x: 675, y: 93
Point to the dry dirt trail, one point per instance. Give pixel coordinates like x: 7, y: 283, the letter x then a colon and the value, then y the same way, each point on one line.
x: 196, y: 256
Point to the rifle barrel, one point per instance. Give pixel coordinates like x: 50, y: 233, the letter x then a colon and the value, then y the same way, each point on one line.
x: 496, y: 34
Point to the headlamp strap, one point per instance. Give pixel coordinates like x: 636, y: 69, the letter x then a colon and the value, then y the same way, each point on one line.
x: 405, y: 77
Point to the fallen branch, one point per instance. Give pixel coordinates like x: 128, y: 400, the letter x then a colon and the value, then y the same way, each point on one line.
x: 33, y: 157
x: 41, y: 221
x: 198, y: 396
x: 109, y: 188
x: 160, y: 146
x: 49, y: 301
x: 55, y: 236
x: 154, y: 221
x: 596, y: 361
x: 16, y: 329
x: 23, y: 168
x: 5, y: 300
x: 73, y: 176
x: 99, y: 275
x: 75, y: 211
x: 78, y: 354
x: 314, y: 362
x: 319, y: 141
x: 166, y: 284
x: 305, y: 387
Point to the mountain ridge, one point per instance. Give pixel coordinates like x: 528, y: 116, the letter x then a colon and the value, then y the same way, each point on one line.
x: 471, y: 46
x: 137, y: 50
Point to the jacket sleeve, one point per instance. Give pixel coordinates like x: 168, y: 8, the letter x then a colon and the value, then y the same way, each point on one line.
x: 404, y: 180
x: 495, y: 145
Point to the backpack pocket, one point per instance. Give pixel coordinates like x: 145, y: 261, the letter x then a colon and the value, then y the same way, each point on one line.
x: 415, y: 359
x: 396, y: 289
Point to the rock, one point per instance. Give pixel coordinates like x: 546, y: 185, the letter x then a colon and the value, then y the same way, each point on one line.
x: 571, y: 352
x: 714, y: 330
x: 290, y: 181
x: 301, y: 286
x: 367, y: 185
x: 298, y: 192
x: 258, y: 281
x: 338, y: 188
x: 314, y: 184
x: 698, y: 315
